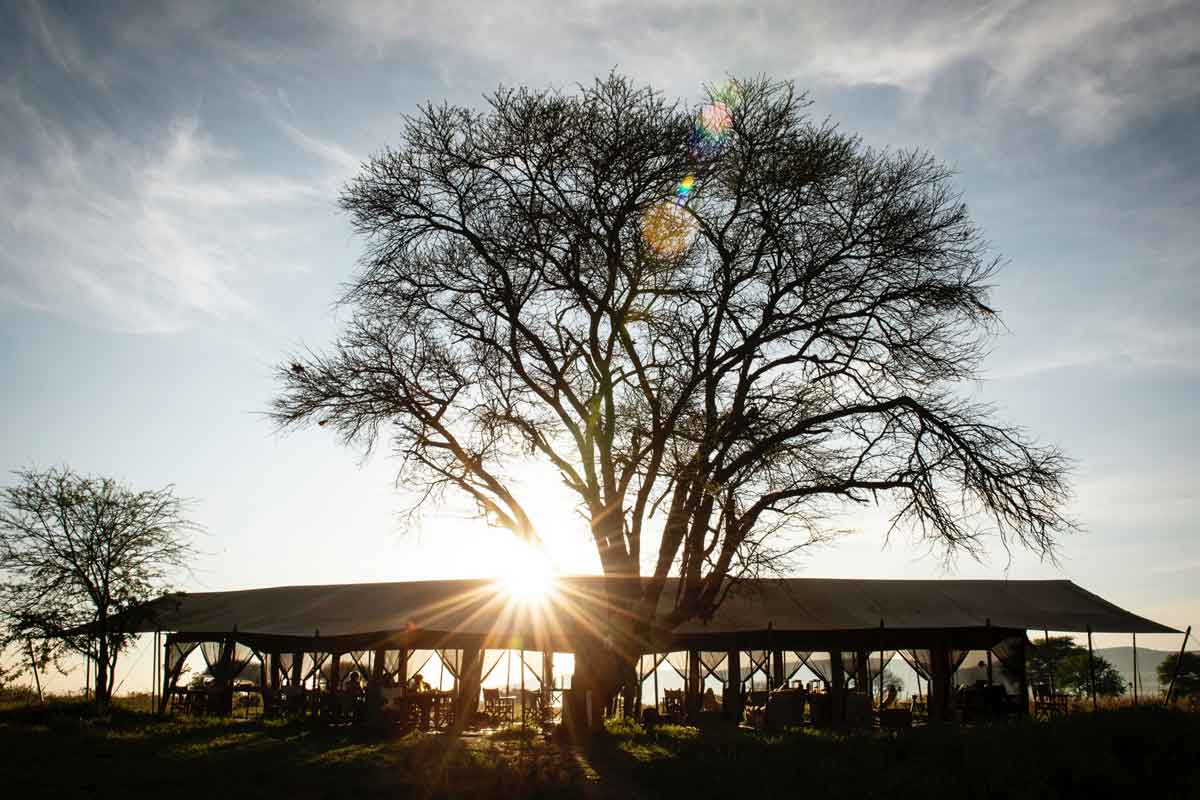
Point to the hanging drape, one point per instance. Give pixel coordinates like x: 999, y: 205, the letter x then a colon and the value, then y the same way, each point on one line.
x: 211, y: 651
x: 922, y: 661
x: 491, y: 658
x: 873, y: 662
x: 757, y: 661
x: 679, y: 662
x: 214, y: 652
x: 793, y: 660
x: 821, y: 668
x: 417, y: 661
x: 453, y: 661
x: 1010, y: 653
x: 648, y: 663
x: 919, y: 663
x: 531, y: 661
x: 242, y: 656
x: 176, y: 653
x: 361, y: 660
x: 312, y: 663
x: 710, y: 664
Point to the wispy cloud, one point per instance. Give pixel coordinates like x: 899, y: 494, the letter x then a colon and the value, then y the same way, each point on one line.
x: 137, y: 237
x: 1090, y: 67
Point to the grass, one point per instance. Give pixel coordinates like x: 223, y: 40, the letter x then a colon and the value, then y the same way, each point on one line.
x: 64, y: 751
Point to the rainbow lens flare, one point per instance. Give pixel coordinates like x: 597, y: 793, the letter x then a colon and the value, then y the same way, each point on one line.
x: 668, y: 228
x: 715, y: 119
x: 710, y: 133
x: 685, y: 188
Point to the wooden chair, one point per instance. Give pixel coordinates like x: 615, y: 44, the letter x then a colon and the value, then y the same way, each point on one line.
x: 1049, y: 704
x: 674, y: 705
x: 445, y: 709
x: 532, y: 707
x: 498, y: 709
x: 756, y: 708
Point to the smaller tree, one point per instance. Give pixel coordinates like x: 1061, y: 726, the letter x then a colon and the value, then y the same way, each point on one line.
x: 1187, y: 682
x: 1062, y: 662
x: 78, y: 550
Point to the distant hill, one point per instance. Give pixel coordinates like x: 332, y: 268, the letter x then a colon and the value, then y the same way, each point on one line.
x: 1147, y: 662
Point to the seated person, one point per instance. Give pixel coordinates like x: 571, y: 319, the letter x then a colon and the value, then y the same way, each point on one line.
x: 354, y: 684
x: 709, y: 702
x: 889, y: 698
x: 417, y: 684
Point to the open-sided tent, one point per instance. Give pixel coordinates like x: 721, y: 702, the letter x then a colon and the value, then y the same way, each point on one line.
x: 923, y: 617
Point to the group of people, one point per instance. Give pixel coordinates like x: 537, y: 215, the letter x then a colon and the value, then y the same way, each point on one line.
x: 355, y: 685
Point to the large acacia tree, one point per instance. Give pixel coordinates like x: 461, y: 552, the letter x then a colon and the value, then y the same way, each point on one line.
x: 790, y: 337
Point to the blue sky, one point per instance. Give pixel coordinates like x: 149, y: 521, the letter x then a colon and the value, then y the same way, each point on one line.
x: 168, y: 230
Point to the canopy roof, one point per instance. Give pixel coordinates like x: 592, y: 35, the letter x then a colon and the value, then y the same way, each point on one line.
x: 486, y: 610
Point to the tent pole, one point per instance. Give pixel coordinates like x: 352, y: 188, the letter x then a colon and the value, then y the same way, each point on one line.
x: 1091, y: 669
x: 837, y: 690
x: 153, y: 669
x: 1135, y: 670
x: 881, y: 663
x: 989, y: 652
x: 36, y: 678
x: 1178, y: 664
x: 1050, y: 651
x: 654, y: 660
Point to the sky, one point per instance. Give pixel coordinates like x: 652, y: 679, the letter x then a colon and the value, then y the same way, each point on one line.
x: 169, y: 231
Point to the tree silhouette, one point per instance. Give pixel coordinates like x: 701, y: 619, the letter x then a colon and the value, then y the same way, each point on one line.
x: 1187, y: 681
x: 738, y: 317
x: 1063, y: 663
x: 77, y: 550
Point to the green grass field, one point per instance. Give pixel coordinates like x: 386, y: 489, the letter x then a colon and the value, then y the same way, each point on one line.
x: 62, y: 751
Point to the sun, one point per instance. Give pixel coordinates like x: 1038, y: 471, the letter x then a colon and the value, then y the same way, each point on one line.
x: 527, y: 574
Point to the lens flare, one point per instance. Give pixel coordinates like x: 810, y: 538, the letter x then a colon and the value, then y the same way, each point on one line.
x: 685, y: 188
x: 668, y: 228
x: 715, y: 119
x: 710, y: 133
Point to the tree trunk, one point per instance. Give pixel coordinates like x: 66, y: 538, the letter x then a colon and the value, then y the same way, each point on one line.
x: 601, y: 673
x: 103, y: 682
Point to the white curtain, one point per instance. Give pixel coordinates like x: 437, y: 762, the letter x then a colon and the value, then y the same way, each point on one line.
x: 176, y: 654
x: 759, y: 663
x: 922, y: 661
x: 532, y: 664
x: 793, y: 660
x: 453, y: 661
x: 711, y: 661
x: 312, y: 663
x: 821, y: 667
x: 648, y: 663
x: 491, y: 659
x: 417, y: 661
x: 214, y: 653
x: 679, y: 662
x: 362, y: 661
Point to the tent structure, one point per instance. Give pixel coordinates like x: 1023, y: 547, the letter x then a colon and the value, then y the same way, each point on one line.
x: 930, y: 620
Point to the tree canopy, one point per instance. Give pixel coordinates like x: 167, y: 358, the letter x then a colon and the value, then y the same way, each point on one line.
x: 1063, y: 663
x: 718, y: 324
x: 76, y: 550
x: 1187, y: 682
